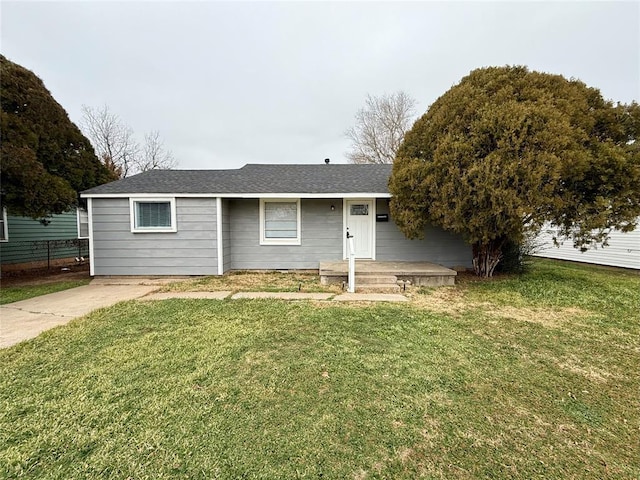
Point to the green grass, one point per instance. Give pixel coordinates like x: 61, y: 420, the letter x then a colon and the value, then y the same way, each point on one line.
x: 272, y: 389
x: 255, y: 281
x: 15, y: 294
x: 564, y: 284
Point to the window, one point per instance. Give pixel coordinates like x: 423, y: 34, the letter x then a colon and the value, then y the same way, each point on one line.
x: 280, y: 222
x: 153, y: 215
x: 360, y: 209
x: 4, y: 226
x: 83, y: 222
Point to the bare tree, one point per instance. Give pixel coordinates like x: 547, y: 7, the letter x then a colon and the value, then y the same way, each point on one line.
x: 380, y: 127
x: 111, y: 138
x: 115, y: 144
x: 154, y: 155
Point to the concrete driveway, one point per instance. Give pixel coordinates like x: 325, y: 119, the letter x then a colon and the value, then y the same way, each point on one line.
x: 26, y: 319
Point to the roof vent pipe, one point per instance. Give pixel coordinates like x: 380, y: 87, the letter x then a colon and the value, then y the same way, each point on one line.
x: 326, y: 160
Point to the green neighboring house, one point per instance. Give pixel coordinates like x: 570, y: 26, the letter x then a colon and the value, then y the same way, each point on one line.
x: 27, y: 243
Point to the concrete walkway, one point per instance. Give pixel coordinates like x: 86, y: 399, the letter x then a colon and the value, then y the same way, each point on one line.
x: 370, y: 297
x: 197, y: 295
x: 343, y: 297
x: 284, y: 295
x: 26, y: 319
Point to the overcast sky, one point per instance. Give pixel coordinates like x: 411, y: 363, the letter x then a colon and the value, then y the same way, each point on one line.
x: 233, y: 83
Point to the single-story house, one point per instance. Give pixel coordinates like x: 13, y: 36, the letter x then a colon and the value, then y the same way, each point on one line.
x: 271, y: 217
x: 622, y: 250
x: 57, y: 240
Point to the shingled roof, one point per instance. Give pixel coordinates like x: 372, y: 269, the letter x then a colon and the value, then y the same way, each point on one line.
x: 256, y: 179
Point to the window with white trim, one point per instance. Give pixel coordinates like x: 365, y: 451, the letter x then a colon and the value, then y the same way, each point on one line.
x: 279, y: 222
x: 4, y: 226
x: 150, y: 215
x: 83, y: 222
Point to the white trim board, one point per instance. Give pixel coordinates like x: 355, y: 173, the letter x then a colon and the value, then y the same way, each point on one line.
x: 354, y: 196
x: 219, y: 239
x: 92, y: 266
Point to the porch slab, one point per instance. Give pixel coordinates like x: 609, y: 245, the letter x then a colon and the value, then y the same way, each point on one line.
x: 417, y: 273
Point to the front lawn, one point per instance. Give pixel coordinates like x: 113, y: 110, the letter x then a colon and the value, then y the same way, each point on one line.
x: 255, y: 281
x: 532, y: 377
x: 12, y: 294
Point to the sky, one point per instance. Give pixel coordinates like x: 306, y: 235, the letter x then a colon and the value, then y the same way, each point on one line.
x: 230, y: 83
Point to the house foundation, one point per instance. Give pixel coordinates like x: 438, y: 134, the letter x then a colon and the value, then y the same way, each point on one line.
x: 373, y: 274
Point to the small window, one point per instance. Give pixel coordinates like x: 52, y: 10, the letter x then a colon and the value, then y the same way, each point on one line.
x: 83, y: 223
x: 4, y: 226
x: 360, y: 209
x: 280, y: 222
x: 153, y: 215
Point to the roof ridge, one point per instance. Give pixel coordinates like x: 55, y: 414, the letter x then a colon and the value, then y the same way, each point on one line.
x: 265, y: 178
x: 315, y: 165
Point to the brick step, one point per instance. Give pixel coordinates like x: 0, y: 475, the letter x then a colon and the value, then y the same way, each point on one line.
x: 362, y: 279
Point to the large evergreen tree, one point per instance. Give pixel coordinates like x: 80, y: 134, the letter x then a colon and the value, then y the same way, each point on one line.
x: 45, y: 159
x: 508, y: 149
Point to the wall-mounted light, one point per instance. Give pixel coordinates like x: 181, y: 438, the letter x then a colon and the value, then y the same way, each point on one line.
x: 333, y: 208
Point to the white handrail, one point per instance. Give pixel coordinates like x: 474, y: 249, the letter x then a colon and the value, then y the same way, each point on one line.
x: 352, y: 265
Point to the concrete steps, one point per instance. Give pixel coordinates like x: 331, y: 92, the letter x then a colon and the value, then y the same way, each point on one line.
x: 375, y: 279
x: 373, y: 282
x: 378, y: 288
x: 387, y: 273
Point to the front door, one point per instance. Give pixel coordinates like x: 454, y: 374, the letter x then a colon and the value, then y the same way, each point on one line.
x: 360, y: 224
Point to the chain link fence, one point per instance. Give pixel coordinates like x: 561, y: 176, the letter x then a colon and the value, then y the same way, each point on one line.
x: 44, y: 252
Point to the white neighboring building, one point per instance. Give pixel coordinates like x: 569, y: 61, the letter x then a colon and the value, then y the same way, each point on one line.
x: 623, y: 249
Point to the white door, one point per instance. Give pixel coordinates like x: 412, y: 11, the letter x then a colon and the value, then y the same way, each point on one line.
x: 359, y: 220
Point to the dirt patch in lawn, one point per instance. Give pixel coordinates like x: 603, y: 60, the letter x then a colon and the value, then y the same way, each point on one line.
x: 44, y: 276
x: 575, y: 365
x: 547, y: 317
x: 449, y: 300
x: 452, y: 301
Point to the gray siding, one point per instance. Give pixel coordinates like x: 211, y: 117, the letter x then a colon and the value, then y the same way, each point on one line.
x: 192, y: 250
x: 321, y: 233
x: 437, y: 246
x: 226, y: 235
x: 189, y: 251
